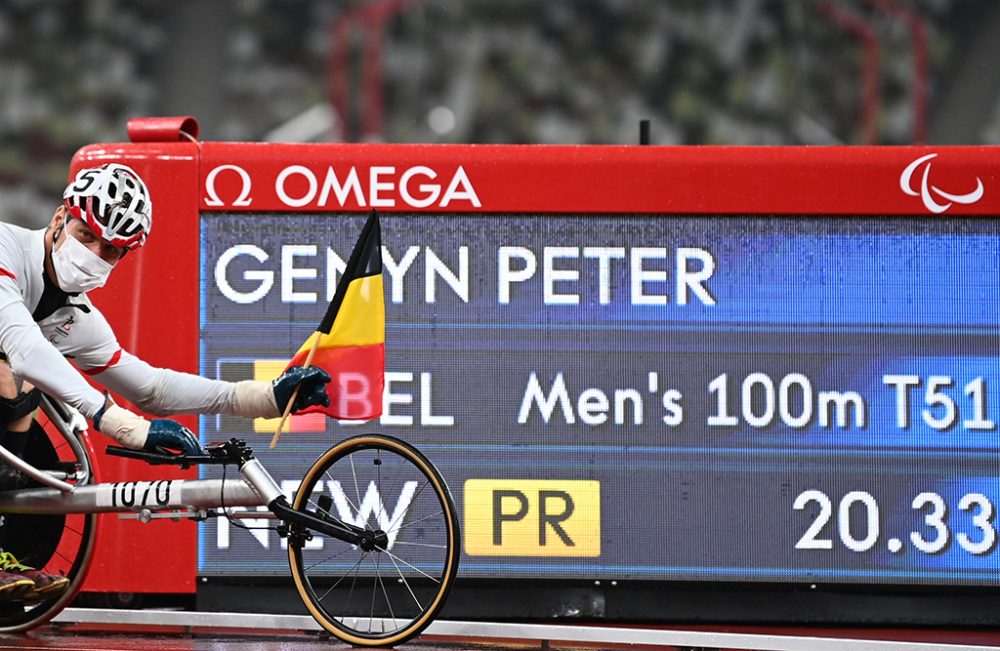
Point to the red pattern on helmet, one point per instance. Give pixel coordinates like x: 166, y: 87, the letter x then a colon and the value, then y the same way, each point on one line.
x: 87, y: 216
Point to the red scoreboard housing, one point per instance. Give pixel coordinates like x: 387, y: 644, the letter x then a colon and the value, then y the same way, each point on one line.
x: 155, y: 304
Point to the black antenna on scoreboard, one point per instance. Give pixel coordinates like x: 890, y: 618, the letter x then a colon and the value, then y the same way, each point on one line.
x: 644, y: 132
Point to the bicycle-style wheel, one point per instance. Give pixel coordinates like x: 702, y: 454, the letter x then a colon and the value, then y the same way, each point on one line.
x: 59, y: 544
x: 389, y: 592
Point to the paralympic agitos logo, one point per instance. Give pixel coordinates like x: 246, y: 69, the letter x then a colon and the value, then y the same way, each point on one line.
x: 931, y: 193
x: 385, y: 186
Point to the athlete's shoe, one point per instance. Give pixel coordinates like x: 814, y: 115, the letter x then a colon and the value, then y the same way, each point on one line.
x: 14, y: 585
x: 43, y: 584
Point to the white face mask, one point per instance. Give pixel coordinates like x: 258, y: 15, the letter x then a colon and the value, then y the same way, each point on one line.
x: 77, y: 268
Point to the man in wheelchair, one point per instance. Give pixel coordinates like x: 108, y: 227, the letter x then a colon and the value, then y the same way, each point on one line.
x: 46, y: 317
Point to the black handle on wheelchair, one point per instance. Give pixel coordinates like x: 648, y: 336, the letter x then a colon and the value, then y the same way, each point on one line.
x: 233, y: 451
x: 159, y: 459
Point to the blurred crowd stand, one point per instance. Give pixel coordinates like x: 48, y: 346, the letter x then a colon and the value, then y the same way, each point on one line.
x: 765, y: 72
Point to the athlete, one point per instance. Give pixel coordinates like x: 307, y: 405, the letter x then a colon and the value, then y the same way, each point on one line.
x: 46, y: 317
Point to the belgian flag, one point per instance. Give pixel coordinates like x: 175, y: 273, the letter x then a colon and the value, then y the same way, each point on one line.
x: 350, y: 341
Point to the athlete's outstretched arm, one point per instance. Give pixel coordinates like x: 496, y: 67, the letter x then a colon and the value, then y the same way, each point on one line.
x: 165, y: 392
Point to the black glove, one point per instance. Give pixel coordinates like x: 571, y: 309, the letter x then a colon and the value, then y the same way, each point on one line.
x: 172, y: 435
x: 312, y: 391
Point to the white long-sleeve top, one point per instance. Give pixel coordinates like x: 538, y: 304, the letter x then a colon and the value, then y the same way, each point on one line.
x: 38, y: 352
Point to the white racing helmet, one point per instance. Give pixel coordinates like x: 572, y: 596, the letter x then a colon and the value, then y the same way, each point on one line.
x: 114, y: 202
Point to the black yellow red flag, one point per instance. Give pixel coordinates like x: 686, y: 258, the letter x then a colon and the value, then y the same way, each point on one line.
x: 350, y: 340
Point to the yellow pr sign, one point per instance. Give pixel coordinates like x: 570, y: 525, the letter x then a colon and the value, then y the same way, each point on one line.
x: 532, y: 517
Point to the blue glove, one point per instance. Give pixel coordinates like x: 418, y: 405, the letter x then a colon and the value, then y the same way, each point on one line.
x: 172, y: 435
x: 312, y: 392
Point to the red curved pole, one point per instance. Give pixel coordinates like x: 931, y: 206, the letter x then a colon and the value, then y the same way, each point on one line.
x: 371, y: 18
x: 871, y: 93
x: 918, y: 34
x: 337, y: 69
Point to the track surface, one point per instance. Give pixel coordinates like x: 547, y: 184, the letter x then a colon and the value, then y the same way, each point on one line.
x: 66, y: 639
x: 131, y: 637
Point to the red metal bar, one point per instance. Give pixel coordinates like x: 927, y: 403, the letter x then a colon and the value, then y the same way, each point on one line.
x: 371, y: 18
x: 871, y: 94
x: 372, y: 67
x: 338, y: 69
x: 918, y: 34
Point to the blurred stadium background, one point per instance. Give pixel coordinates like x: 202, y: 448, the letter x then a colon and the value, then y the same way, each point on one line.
x: 766, y: 72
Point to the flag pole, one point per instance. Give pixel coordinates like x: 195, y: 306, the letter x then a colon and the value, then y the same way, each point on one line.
x: 291, y: 401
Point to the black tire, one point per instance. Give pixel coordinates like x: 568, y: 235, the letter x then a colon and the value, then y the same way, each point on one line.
x: 385, y: 596
x: 59, y: 544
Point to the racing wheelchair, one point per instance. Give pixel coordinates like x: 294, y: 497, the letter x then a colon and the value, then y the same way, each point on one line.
x: 376, y: 579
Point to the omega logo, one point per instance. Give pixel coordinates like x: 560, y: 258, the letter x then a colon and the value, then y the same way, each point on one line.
x: 378, y: 186
x: 213, y: 196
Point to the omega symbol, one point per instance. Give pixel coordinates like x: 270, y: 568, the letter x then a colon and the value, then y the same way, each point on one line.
x: 243, y: 199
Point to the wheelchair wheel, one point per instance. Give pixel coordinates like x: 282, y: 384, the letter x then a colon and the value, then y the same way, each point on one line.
x: 391, y: 592
x: 58, y: 544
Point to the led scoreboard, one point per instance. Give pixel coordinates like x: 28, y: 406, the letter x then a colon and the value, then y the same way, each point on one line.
x: 631, y: 363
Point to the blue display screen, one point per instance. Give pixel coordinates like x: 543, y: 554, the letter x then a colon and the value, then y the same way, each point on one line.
x: 735, y: 398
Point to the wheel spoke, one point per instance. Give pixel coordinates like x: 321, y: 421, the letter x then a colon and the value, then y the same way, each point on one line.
x: 356, y: 507
x: 336, y: 521
x: 350, y: 593
x: 395, y: 481
x: 371, y: 613
x: 403, y: 561
x: 412, y: 500
x: 357, y: 490
x: 418, y: 520
x: 346, y: 574
x: 402, y: 577
x: 427, y: 545
x: 378, y: 484
x: 388, y: 601
x: 329, y: 558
